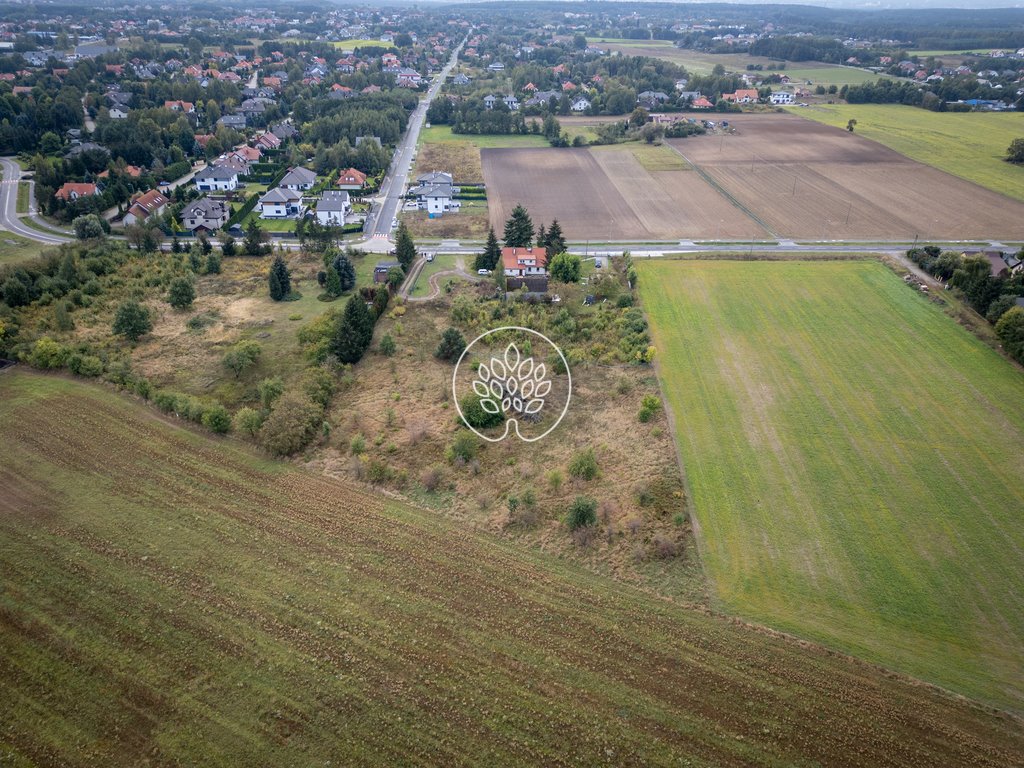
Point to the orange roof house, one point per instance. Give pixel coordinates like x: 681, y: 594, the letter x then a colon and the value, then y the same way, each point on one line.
x: 72, y: 190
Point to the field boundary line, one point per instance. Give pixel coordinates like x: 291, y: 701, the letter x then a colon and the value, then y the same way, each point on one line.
x: 721, y: 190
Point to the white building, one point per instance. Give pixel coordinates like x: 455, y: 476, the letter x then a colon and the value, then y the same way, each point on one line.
x: 280, y: 203
x: 217, y: 179
x: 782, y: 97
x: 333, y: 207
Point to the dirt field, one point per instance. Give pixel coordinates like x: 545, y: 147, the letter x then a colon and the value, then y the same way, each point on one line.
x: 806, y: 180
x: 606, y: 194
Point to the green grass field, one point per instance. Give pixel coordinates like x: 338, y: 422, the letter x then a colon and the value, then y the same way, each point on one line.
x: 853, y: 458
x: 177, y: 600
x: 971, y: 145
x: 21, y: 204
x: 831, y: 74
x: 442, y: 134
x: 17, y: 248
x: 441, y: 262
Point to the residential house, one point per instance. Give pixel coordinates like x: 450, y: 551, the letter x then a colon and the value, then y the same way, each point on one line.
x: 116, y: 113
x: 520, y: 262
x: 181, y: 106
x: 351, y: 179
x: 582, y: 104
x: 152, y: 203
x: 490, y: 100
x: 496, y: 66
x: 407, y: 78
x: 298, y: 179
x: 285, y: 131
x: 381, y: 270
x: 333, y: 207
x: 997, y: 263
x: 652, y: 99
x: 217, y: 179
x: 205, y: 214
x: 268, y: 141
x: 253, y: 108
x: 542, y: 98
x: 461, y: 79
x: 742, y: 96
x: 71, y: 190
x: 280, y: 203
x: 511, y: 102
x: 782, y: 97
x: 238, y: 122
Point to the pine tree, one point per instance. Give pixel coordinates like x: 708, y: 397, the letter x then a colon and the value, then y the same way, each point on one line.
x: 346, y: 272
x: 542, y: 236
x: 555, y: 242
x: 332, y: 286
x: 354, y: 331
x: 405, y: 249
x: 492, y: 252
x: 519, y: 229
x: 280, y: 279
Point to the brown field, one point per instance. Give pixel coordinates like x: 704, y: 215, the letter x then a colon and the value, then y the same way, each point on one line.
x: 171, y: 599
x: 807, y: 180
x: 606, y: 194
x: 459, y: 158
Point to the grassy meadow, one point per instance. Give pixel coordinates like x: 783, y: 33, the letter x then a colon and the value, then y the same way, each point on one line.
x: 971, y: 145
x: 852, y: 456
x: 17, y: 248
x: 171, y: 599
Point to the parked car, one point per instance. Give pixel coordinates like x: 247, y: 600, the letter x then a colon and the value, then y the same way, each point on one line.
x: 483, y: 271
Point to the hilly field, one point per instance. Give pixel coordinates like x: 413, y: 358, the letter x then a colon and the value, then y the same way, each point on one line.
x: 170, y: 599
x: 853, y: 456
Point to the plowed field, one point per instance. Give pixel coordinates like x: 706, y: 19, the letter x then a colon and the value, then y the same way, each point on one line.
x: 168, y: 599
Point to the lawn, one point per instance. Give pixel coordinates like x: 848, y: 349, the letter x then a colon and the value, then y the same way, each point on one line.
x: 441, y: 262
x: 22, y: 203
x: 853, y: 461
x: 971, y: 145
x: 831, y: 74
x: 174, y: 599
x: 17, y: 248
x: 443, y: 133
x: 269, y: 225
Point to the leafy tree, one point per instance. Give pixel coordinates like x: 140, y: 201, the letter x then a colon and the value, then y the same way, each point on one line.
x: 1000, y: 307
x: 452, y: 345
x: 248, y: 420
x: 649, y: 407
x: 555, y: 241
x: 332, y: 283
x: 405, y: 248
x: 269, y: 390
x: 1010, y: 330
x: 519, y: 229
x: 217, y: 419
x: 279, y: 279
x: 88, y: 227
x: 1015, y: 152
x: 291, y: 425
x: 15, y: 293
x: 582, y: 513
x: 181, y: 293
x: 353, y: 332
x: 974, y: 278
x: 62, y: 318
x: 132, y: 320
x: 242, y: 356
x: 565, y: 268
x: 492, y: 252
x: 851, y: 123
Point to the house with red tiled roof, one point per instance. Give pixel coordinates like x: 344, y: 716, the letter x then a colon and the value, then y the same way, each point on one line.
x: 351, y: 179
x: 701, y: 102
x: 268, y: 141
x: 152, y: 203
x: 519, y: 262
x: 180, y: 106
x: 742, y: 96
x: 72, y: 190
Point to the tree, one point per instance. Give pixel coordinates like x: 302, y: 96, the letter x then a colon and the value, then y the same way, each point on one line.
x: 353, y: 332
x: 181, y: 293
x: 227, y: 246
x: 1010, y: 330
x: 217, y: 419
x: 88, y: 227
x: 452, y: 345
x: 248, y: 420
x: 254, y: 243
x: 519, y: 229
x: 582, y: 513
x: 291, y: 425
x: 15, y: 293
x: 974, y: 278
x: 132, y: 320
x: 280, y: 279
x: 62, y: 317
x: 565, y: 268
x: 492, y: 252
x: 652, y: 132
x: 332, y: 283
x: 387, y: 345
x: 346, y: 272
x: 213, y: 263
x: 1000, y: 307
x: 269, y: 390
x: 242, y: 356
x: 1015, y: 152
x: 555, y: 242
x: 850, y: 124
x: 405, y: 248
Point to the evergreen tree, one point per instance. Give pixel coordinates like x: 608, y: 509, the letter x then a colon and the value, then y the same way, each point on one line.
x: 519, y: 229
x: 555, y: 242
x: 181, y: 293
x: 332, y: 285
x: 280, y: 279
x: 353, y: 333
x: 405, y: 249
x: 346, y: 272
x: 492, y: 252
x: 542, y: 236
x: 253, y: 245
x: 132, y: 320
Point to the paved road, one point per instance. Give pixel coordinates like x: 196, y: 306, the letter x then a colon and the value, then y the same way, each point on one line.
x: 398, y: 174
x: 9, y: 219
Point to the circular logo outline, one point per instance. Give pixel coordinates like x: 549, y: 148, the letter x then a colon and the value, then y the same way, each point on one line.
x: 455, y: 394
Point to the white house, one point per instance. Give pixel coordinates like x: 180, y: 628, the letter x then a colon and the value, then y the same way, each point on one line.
x: 521, y: 262
x: 298, y: 179
x: 436, y: 199
x: 333, y: 207
x: 280, y: 203
x: 205, y: 214
x: 782, y: 97
x: 580, y: 105
x: 117, y: 113
x: 217, y: 179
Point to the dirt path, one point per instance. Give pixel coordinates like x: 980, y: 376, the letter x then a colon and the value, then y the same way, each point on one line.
x: 435, y: 283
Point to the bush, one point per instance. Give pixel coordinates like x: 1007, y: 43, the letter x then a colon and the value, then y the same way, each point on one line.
x: 476, y: 416
x: 387, y: 345
x: 181, y: 293
x: 291, y: 425
x: 217, y: 419
x: 583, y: 465
x: 269, y: 390
x: 649, y: 408
x: 1000, y: 307
x: 463, y: 447
x: 48, y: 354
x: 431, y: 478
x: 85, y: 365
x: 357, y: 445
x: 242, y: 356
x: 582, y: 513
x: 248, y: 420
x: 452, y: 345
x: 132, y: 320
x: 1010, y: 330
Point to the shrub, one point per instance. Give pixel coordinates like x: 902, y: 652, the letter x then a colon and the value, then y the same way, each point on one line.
x: 132, y: 320
x: 555, y: 480
x: 463, y: 447
x: 357, y: 445
x: 377, y: 472
x: 291, y: 425
x: 387, y: 345
x: 269, y: 390
x: 242, y: 356
x: 85, y: 365
x: 431, y: 478
x: 582, y: 513
x: 248, y: 420
x: 217, y: 419
x: 1000, y: 307
x: 452, y: 345
x: 476, y: 416
x: 649, y: 408
x: 181, y: 293
x: 583, y: 465
x: 1010, y: 330
x: 47, y: 354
